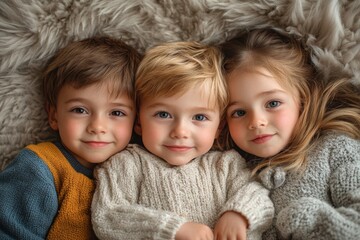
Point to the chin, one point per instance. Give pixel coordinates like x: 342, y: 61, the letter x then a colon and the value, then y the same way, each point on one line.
x: 177, y: 163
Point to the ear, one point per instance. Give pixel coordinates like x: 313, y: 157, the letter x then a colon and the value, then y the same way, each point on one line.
x: 137, y: 126
x: 52, y: 117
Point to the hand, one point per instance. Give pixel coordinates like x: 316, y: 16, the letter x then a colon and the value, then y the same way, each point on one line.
x: 231, y: 225
x: 194, y: 231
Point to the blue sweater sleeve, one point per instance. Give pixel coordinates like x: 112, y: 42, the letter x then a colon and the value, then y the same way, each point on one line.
x: 28, y: 198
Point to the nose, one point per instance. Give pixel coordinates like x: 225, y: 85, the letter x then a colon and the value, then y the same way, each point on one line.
x: 257, y: 120
x: 97, y: 125
x: 180, y: 130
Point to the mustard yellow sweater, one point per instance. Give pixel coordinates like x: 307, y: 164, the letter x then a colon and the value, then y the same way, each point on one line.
x: 46, y: 193
x: 74, y: 193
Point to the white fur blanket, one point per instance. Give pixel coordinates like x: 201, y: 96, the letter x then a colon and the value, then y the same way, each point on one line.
x: 32, y: 30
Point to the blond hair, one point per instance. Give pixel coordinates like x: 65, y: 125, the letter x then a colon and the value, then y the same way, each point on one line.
x: 92, y: 61
x: 323, y: 107
x: 172, y: 68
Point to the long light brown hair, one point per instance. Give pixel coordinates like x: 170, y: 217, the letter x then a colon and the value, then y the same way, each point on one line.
x: 334, y: 106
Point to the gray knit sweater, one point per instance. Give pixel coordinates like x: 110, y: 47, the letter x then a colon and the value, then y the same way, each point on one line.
x: 140, y: 196
x: 323, y: 202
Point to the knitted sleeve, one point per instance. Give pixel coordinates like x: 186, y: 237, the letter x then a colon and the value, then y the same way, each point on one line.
x: 310, y: 218
x: 28, y: 199
x: 247, y: 196
x: 115, y: 212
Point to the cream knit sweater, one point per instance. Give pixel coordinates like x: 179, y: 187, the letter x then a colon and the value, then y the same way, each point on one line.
x: 140, y: 196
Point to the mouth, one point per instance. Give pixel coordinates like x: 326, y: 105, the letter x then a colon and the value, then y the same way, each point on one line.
x: 262, y: 138
x: 175, y: 148
x: 96, y: 144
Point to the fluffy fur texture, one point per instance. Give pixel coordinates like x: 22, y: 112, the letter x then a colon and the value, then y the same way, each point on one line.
x: 31, y: 31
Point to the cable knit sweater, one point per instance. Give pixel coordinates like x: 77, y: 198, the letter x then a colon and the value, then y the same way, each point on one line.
x: 324, y: 201
x: 140, y: 196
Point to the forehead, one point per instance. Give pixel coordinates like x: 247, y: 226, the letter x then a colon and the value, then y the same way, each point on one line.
x: 257, y: 78
x: 249, y: 86
x: 106, y: 89
x: 195, y: 97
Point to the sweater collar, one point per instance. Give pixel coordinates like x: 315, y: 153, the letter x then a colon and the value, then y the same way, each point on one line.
x: 73, y: 161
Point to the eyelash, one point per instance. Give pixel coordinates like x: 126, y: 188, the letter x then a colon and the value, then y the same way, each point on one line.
x: 203, y: 117
x: 239, y: 112
x: 278, y: 103
x: 121, y: 113
x: 79, y: 110
x: 168, y: 115
x: 236, y: 115
x: 161, y: 114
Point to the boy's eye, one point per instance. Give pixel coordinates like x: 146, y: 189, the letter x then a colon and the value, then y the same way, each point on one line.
x: 238, y: 113
x: 117, y: 113
x: 78, y: 110
x: 163, y: 114
x: 273, y: 104
x: 200, y: 117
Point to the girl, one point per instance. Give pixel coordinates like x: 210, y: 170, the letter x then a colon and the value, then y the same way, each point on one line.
x: 300, y: 137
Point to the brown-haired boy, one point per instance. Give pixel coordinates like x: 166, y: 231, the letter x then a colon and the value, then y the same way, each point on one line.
x: 46, y: 191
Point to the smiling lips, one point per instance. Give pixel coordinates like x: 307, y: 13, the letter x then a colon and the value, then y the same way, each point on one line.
x: 178, y: 148
x: 96, y: 144
x: 261, y: 138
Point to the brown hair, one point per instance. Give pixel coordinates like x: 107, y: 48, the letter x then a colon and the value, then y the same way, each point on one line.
x: 323, y: 107
x: 92, y: 61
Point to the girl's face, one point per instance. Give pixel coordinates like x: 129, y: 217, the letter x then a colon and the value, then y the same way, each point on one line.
x: 261, y: 115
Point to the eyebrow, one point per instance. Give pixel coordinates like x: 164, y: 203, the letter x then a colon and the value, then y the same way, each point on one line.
x: 199, y: 109
x: 123, y: 105
x: 112, y: 103
x: 271, y: 92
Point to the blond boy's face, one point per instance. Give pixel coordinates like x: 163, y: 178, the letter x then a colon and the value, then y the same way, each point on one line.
x: 178, y: 128
x: 91, y: 124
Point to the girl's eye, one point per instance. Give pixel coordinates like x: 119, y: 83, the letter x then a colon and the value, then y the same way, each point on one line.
x: 78, y: 110
x: 162, y: 115
x: 273, y: 104
x: 117, y: 113
x: 238, y: 113
x: 200, y: 117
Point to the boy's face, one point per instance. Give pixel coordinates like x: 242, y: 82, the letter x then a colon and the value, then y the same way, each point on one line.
x: 261, y: 115
x: 91, y: 124
x: 178, y: 128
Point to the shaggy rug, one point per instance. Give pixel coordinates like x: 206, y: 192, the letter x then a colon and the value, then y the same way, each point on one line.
x: 31, y: 31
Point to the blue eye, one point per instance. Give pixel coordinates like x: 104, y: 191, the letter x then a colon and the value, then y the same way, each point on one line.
x: 238, y: 113
x: 273, y: 104
x: 200, y: 117
x: 117, y: 113
x: 163, y: 115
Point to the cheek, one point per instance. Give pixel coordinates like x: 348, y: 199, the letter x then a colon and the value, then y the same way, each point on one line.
x: 207, y: 137
x: 151, y: 132
x: 123, y: 131
x: 287, y: 120
x: 236, y: 132
x: 69, y: 129
x: 235, y: 126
